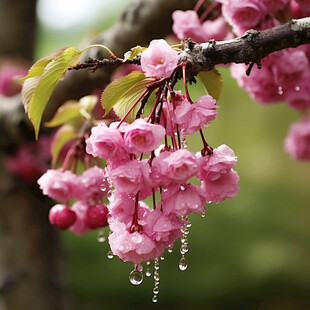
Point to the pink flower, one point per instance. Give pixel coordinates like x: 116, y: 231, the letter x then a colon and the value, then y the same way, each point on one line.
x: 106, y: 143
x: 142, y: 137
x: 226, y: 186
x: 295, y: 69
x: 162, y: 228
x: 93, y: 184
x: 305, y: 5
x: 244, y: 13
x: 8, y: 75
x: 192, y: 117
x: 187, y: 24
x: 178, y: 166
x: 80, y: 227
x: 61, y: 216
x: 136, y: 247
x: 184, y: 199
x: 220, y: 162
x: 297, y: 142
x: 216, y: 29
x: 59, y: 185
x: 131, y: 177
x: 159, y: 60
x: 97, y: 216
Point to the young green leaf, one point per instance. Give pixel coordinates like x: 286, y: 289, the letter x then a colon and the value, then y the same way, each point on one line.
x: 36, y: 99
x: 131, y: 96
x: 62, y: 136
x: 213, y: 82
x: 133, y: 52
x: 115, y: 90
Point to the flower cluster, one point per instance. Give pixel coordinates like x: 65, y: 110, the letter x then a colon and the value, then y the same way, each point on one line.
x: 88, y: 211
x: 272, y: 82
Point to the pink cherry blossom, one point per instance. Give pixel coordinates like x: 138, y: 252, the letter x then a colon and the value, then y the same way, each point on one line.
x: 80, y: 227
x: 142, y: 137
x: 159, y: 60
x: 93, y: 184
x: 219, y: 162
x: 106, y: 143
x: 162, y: 228
x: 131, y: 177
x: 97, y: 216
x: 8, y: 75
x: 184, y: 199
x: 226, y: 186
x: 62, y: 216
x: 178, y: 166
x: 297, y: 142
x: 187, y: 24
x: 136, y: 247
x: 243, y: 13
x: 192, y: 117
x: 216, y: 29
x: 59, y: 185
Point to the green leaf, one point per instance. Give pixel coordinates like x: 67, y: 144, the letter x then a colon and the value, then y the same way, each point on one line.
x: 129, y: 98
x: 115, y: 90
x: 213, y: 82
x: 62, y: 136
x: 73, y: 110
x: 65, y: 113
x: 37, y: 98
x: 133, y: 52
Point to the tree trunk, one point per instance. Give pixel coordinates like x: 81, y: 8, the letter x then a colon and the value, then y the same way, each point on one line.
x: 29, y: 246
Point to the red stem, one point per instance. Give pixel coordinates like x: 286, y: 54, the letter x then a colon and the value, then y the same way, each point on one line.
x: 198, y: 5
x: 208, y: 10
x: 185, y: 84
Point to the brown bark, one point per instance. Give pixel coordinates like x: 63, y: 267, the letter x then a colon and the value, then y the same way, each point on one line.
x: 29, y: 246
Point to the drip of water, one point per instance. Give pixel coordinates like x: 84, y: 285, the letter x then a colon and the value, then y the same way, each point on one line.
x: 101, y: 237
x: 136, y: 277
x: 110, y: 255
x: 183, y: 264
x: 156, y: 280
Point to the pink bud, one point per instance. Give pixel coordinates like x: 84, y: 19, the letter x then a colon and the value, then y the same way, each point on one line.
x: 62, y: 216
x: 96, y: 216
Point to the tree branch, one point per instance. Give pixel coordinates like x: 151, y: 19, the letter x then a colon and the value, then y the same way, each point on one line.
x: 250, y: 48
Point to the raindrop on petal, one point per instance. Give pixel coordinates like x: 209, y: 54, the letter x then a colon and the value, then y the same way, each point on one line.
x: 136, y: 277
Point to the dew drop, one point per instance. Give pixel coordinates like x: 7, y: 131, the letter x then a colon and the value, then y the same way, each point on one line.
x: 170, y: 250
x: 297, y: 88
x: 110, y: 255
x: 154, y: 299
x: 203, y: 215
x: 148, y: 263
x: 103, y: 187
x: 188, y: 225
x: 182, y: 187
x: 155, y: 290
x: 135, y: 277
x: 183, y: 264
x: 156, y: 276
x: 162, y: 258
x: 148, y: 272
x: 280, y: 90
x: 101, y: 237
x: 184, y: 249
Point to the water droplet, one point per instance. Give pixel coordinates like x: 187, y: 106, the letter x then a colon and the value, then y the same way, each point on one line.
x: 103, y: 187
x: 297, y: 88
x: 156, y: 267
x: 156, y: 276
x: 184, y: 240
x: 162, y: 258
x: 110, y: 255
x: 170, y: 250
x: 154, y: 299
x: 203, y: 215
x: 109, y: 194
x: 183, y: 264
x: 184, y: 249
x: 148, y: 263
x: 188, y: 225
x: 155, y: 290
x: 100, y: 236
x: 280, y: 90
x: 136, y: 277
x: 182, y: 187
x: 148, y: 272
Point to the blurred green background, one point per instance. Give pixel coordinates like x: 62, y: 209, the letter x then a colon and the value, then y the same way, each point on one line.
x: 249, y: 252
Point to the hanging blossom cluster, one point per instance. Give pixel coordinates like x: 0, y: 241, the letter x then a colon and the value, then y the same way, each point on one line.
x: 273, y: 81
x: 146, y: 160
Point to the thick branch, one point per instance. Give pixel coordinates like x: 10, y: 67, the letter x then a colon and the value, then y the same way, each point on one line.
x: 250, y: 48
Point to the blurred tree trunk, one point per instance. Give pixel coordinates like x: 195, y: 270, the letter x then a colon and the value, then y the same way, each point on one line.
x: 29, y: 247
